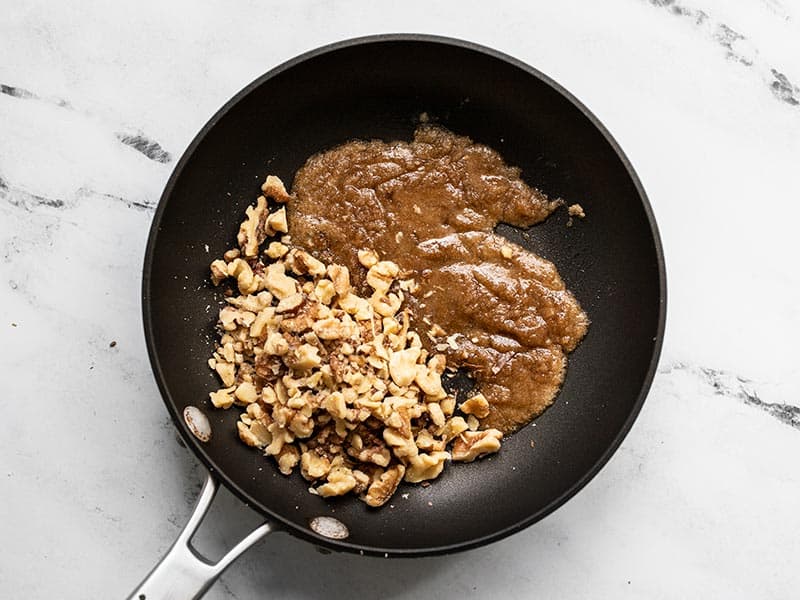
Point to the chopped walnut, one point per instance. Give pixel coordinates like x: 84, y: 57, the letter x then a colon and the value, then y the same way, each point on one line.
x: 427, y: 443
x: 287, y: 459
x: 360, y: 308
x: 402, y: 366
x: 251, y: 302
x: 385, y: 305
x: 478, y: 405
x: 261, y: 324
x: 453, y: 427
x: 448, y: 405
x: 277, y: 282
x: 324, y: 291
x: 430, y: 382
x: 229, y: 255
x: 276, y: 250
x: 245, y: 278
x: 219, y: 271
x: 381, y: 275
x: 246, y: 393
x: 576, y: 210
x: 437, y: 414
x: 251, y: 232
x: 385, y: 486
x: 276, y: 222
x: 332, y: 328
x: 227, y: 372
x: 222, y: 398
x: 254, y: 434
x: 368, y: 258
x: 334, y: 382
x: 426, y: 466
x: 340, y: 481
x: 375, y: 451
x: 302, y: 263
x: 290, y: 303
x: 313, y: 466
x: 304, y: 357
x: 273, y: 188
x: 341, y: 279
x: 363, y: 482
x: 470, y: 445
x: 402, y: 446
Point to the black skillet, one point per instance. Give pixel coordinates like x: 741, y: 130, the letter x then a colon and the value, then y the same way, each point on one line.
x: 377, y: 87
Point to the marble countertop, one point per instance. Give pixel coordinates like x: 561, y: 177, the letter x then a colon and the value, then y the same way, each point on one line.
x: 97, y: 102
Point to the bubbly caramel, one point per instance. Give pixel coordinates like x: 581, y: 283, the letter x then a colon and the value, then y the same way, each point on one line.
x: 431, y: 206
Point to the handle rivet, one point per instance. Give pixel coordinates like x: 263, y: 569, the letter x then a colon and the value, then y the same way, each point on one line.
x: 329, y: 527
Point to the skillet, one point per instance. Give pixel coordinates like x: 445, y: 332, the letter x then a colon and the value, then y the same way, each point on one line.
x: 377, y: 87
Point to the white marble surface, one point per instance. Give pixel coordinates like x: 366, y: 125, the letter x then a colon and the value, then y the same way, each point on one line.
x: 702, y: 499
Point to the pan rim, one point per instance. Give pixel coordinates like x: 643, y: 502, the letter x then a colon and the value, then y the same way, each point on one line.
x: 343, y: 545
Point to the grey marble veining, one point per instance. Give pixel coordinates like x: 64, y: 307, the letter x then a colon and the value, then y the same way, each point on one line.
x: 737, y: 47
x: 736, y: 387
x: 97, y: 103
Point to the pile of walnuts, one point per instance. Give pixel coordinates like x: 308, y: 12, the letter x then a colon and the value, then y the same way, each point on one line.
x: 329, y: 380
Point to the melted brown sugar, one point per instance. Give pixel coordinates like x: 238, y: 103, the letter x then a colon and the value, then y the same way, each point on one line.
x: 431, y: 206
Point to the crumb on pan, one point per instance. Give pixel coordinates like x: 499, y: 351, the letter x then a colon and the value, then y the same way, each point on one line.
x: 576, y: 210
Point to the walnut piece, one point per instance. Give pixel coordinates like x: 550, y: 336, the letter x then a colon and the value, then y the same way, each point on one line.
x: 340, y: 481
x: 254, y: 434
x: 222, y: 398
x: 246, y: 393
x: 273, y: 188
x: 381, y: 275
x: 276, y: 281
x: 251, y: 231
x: 276, y: 222
x: 402, y: 366
x: 368, y: 258
x: 287, y: 459
x: 341, y: 279
x: 219, y: 271
x: 470, y: 445
x: 426, y: 466
x: 478, y: 405
x: 245, y: 278
x: 313, y: 466
x: 576, y: 210
x: 385, y: 486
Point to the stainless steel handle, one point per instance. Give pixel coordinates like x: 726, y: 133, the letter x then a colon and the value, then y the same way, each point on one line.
x: 183, y: 573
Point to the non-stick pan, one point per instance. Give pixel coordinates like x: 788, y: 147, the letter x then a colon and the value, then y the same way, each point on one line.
x: 377, y: 87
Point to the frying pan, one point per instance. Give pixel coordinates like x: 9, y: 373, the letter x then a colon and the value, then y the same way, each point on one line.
x: 377, y: 87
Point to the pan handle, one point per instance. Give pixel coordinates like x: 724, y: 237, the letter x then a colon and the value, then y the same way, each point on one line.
x: 183, y: 573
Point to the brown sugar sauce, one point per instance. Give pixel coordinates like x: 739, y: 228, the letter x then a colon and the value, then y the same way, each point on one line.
x: 431, y: 205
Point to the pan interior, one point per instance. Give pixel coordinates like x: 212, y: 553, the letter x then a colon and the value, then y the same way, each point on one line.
x: 377, y: 89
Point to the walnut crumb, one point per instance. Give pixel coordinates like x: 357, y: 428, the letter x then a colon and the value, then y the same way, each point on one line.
x: 576, y: 210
